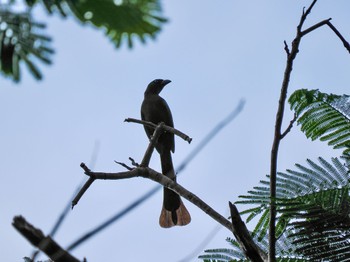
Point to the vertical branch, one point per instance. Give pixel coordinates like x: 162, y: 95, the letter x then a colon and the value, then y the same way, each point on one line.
x: 277, y: 133
x: 156, y: 134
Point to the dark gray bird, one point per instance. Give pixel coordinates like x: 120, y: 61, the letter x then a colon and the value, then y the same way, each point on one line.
x: 156, y: 110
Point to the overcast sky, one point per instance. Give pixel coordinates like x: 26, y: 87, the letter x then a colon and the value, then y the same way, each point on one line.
x: 215, y: 53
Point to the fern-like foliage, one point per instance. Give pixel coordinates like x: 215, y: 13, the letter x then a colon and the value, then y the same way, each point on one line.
x: 121, y: 20
x: 323, y: 116
x: 235, y: 253
x: 22, y: 40
x: 313, y: 220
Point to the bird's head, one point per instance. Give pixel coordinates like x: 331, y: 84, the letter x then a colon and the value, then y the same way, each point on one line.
x: 156, y: 86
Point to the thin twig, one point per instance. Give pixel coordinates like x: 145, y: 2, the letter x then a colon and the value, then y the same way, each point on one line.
x: 286, y: 48
x: 166, y: 128
x: 124, y: 165
x: 291, y: 123
x: 82, y: 191
x: 346, y: 43
x: 314, y: 27
x: 133, y: 162
x: 331, y: 26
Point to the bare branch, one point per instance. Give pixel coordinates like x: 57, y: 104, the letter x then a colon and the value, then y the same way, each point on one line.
x: 314, y: 27
x: 135, y: 172
x: 149, y: 173
x: 166, y: 128
x: 345, y: 43
x: 84, y: 188
x: 304, y: 15
x: 156, y: 134
x: 124, y: 165
x: 331, y: 26
x: 277, y: 133
x: 133, y: 162
x: 45, y: 243
x: 223, y: 123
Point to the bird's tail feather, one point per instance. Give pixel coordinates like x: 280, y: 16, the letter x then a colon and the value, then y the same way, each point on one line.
x: 179, y: 217
x: 174, y: 212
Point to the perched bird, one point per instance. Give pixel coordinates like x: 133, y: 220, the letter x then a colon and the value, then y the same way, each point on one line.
x: 156, y: 110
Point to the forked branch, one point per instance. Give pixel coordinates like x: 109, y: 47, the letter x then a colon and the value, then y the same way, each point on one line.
x: 278, y: 135
x: 239, y: 229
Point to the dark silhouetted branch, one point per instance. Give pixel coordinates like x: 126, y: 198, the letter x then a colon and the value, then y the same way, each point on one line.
x: 45, y: 243
x: 278, y: 136
x: 159, y: 129
x: 245, y: 241
x: 240, y: 231
x: 291, y: 54
x: 82, y: 191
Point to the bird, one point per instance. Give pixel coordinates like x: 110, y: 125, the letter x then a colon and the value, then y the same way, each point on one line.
x: 156, y: 110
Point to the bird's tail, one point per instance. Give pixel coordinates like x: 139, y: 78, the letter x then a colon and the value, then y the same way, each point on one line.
x: 174, y: 212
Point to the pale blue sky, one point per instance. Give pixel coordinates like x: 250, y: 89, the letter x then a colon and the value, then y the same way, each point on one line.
x: 215, y: 53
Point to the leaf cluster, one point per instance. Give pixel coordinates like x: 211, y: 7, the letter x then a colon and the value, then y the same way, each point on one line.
x: 22, y: 39
x: 122, y: 21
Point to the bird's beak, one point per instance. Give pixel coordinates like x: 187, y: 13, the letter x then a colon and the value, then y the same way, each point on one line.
x: 165, y: 82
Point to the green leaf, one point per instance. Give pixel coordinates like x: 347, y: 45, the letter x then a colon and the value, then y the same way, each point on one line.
x: 122, y: 21
x: 313, y: 211
x: 323, y: 116
x: 21, y: 40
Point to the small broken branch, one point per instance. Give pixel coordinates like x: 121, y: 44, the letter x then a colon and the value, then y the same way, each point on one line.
x: 45, y: 243
x: 251, y: 250
x: 124, y: 165
x: 82, y: 191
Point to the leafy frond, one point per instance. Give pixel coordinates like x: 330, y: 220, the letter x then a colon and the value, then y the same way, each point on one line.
x: 223, y: 255
x: 283, y: 248
x: 121, y: 20
x: 313, y: 207
x: 22, y: 40
x: 323, y: 116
